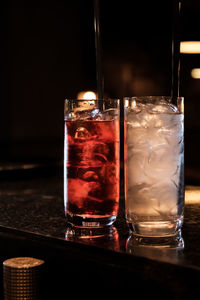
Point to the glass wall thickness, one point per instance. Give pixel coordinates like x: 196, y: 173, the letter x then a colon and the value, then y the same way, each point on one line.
x: 154, y: 164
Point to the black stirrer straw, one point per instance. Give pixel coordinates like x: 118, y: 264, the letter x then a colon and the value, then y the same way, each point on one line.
x: 175, y: 87
x: 99, y: 75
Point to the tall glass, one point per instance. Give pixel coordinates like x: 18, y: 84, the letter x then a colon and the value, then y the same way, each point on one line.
x: 154, y: 164
x: 91, y: 162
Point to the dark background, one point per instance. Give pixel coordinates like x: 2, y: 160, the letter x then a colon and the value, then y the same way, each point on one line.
x: 48, y: 54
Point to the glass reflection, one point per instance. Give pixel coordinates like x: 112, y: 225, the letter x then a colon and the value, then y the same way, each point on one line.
x: 168, y: 249
x: 105, y: 237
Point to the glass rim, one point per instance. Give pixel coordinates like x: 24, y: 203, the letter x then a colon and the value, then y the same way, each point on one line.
x: 101, y: 100
x: 152, y: 97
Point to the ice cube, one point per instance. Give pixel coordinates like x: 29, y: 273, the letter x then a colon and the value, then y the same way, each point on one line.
x: 110, y: 114
x: 90, y: 176
x: 100, y: 153
x: 82, y: 133
x: 172, y: 124
x: 151, y: 155
x: 135, y: 107
x: 98, y: 116
x: 81, y: 114
x: 79, y: 190
x: 156, y: 199
x: 162, y: 108
x: 94, y: 113
x: 135, y: 168
x: 143, y: 119
x: 165, y: 195
x: 144, y: 139
x: 161, y: 163
x: 133, y: 120
x: 161, y: 115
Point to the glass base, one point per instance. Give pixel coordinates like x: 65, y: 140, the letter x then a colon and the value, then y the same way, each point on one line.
x: 74, y: 233
x: 90, y: 222
x: 156, y: 228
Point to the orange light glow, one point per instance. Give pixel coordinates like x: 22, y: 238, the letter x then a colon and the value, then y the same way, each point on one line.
x: 86, y: 95
x: 192, y: 195
x: 190, y: 47
x: 195, y: 73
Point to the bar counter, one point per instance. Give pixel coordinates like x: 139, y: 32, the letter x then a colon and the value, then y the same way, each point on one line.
x: 32, y: 223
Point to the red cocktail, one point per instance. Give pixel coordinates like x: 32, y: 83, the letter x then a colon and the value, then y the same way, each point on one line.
x: 91, y: 181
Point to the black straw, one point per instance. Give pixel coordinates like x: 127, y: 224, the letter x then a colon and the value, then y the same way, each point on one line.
x: 175, y: 88
x: 99, y: 74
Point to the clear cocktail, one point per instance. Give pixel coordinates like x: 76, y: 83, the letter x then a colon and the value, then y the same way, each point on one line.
x: 154, y: 165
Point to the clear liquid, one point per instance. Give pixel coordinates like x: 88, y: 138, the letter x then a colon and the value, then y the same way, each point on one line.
x: 154, y: 172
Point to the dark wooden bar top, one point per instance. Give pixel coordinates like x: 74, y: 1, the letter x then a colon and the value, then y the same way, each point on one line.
x: 32, y: 223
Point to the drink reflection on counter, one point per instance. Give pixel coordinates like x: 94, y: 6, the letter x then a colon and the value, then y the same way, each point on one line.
x: 107, y: 236
x: 167, y: 249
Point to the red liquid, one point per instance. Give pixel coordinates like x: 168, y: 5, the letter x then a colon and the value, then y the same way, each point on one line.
x: 91, y: 168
